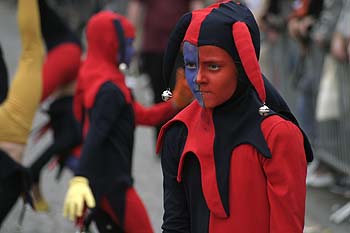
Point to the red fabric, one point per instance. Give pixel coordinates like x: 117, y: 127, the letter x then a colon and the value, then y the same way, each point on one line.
x: 195, y: 25
x: 106, y: 206
x: 199, y: 122
x: 136, y: 218
x: 76, y: 151
x: 301, y: 10
x: 154, y: 115
x: 223, y: 1
x: 60, y: 67
x: 272, y: 192
x: 246, y: 51
x: 100, y: 64
x: 265, y: 195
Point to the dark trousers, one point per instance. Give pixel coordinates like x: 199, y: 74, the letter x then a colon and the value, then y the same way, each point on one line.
x: 10, y: 189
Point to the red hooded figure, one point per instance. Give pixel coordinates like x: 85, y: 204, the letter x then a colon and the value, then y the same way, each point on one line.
x: 108, y: 113
x: 102, y: 104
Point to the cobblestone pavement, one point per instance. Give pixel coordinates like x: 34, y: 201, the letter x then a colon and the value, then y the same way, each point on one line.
x: 147, y: 171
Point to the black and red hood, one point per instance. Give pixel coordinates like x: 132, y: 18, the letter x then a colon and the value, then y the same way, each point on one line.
x: 228, y: 25
x: 106, y: 34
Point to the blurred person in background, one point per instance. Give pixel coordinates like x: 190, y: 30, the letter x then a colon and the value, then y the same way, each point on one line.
x: 340, y: 50
x: 18, y: 109
x: 60, y: 71
x: 275, y: 43
x: 313, y: 30
x: 108, y: 113
x: 159, y: 18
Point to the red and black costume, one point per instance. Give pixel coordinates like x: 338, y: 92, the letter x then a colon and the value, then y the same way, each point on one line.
x: 233, y: 168
x: 108, y: 112
x: 61, y: 67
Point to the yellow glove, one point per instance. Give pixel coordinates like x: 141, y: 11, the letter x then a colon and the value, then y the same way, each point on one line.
x: 78, y: 194
x: 182, y: 94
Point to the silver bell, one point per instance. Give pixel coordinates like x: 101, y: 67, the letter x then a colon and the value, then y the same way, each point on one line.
x: 264, y: 110
x: 166, y: 95
x: 123, y: 66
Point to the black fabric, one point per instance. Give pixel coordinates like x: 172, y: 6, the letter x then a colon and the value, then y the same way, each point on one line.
x: 9, y: 166
x: 176, y: 210
x: 14, y: 179
x: 53, y: 29
x: 116, y: 199
x: 9, y: 193
x: 241, y: 126
x: 274, y: 7
x: 193, y: 189
x: 62, y: 119
x: 220, y: 21
x: 106, y: 157
x: 200, y: 213
x: 315, y: 8
x: 3, y: 77
x: 173, y: 46
x: 121, y: 40
x: 105, y: 224
x: 152, y: 65
x: 66, y: 134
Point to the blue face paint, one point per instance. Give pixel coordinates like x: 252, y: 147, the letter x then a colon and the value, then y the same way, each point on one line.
x: 129, y: 51
x: 191, y: 55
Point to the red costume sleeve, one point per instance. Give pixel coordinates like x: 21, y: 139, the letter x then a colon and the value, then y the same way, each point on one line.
x: 154, y: 115
x: 286, y: 173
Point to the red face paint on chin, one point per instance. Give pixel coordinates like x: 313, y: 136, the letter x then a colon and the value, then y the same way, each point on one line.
x: 217, y: 75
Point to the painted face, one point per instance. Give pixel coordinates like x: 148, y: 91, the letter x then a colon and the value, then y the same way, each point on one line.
x: 191, y: 69
x: 211, y: 74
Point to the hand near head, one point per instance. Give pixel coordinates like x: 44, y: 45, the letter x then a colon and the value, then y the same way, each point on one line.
x: 182, y: 94
x: 78, y: 194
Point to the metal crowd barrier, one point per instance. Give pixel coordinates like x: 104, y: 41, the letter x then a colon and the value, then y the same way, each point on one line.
x: 331, y: 143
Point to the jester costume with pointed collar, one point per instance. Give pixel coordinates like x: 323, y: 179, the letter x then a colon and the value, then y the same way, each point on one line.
x: 234, y: 167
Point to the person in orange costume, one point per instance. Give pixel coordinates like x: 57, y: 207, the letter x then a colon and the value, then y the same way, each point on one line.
x: 18, y: 109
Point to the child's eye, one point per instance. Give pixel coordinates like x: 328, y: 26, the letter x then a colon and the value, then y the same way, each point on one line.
x: 213, y: 67
x: 191, y: 65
